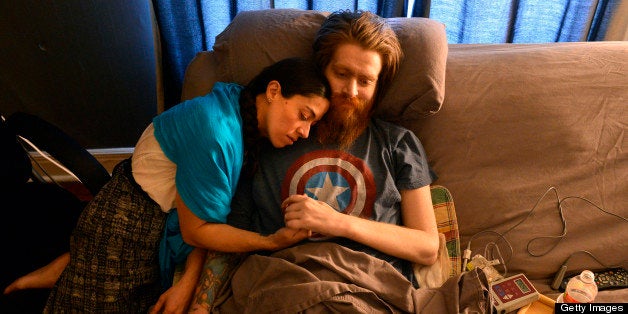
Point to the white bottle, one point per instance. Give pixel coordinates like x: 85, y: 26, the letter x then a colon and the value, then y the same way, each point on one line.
x: 581, y: 288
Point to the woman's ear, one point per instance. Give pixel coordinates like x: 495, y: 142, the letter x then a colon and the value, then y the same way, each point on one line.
x: 273, y: 89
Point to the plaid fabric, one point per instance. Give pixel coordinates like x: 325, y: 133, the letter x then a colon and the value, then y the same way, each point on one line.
x: 114, y: 250
x: 447, y: 224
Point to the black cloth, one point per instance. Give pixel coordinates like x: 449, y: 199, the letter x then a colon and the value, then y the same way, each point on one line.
x: 35, y: 225
x: 37, y: 220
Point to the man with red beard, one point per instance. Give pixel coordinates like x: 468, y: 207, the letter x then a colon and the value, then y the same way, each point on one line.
x: 359, y: 181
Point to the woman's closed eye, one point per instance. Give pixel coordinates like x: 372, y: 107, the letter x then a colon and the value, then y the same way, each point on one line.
x: 304, y: 117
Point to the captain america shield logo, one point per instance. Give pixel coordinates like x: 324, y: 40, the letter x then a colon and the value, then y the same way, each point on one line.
x: 337, y: 178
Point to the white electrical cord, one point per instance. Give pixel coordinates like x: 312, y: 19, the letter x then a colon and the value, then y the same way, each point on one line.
x: 466, y: 256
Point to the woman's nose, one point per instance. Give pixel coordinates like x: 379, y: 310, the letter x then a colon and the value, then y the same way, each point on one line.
x: 304, y: 131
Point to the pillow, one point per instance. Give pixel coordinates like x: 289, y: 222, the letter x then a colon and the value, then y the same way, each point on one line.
x: 418, y: 90
x: 255, y: 39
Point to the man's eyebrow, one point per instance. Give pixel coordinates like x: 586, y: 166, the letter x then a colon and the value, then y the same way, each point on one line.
x: 368, y: 75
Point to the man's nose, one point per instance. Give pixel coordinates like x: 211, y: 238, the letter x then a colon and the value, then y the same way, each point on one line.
x: 351, y: 88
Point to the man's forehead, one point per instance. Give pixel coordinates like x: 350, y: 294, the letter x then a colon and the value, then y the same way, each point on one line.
x: 358, y: 60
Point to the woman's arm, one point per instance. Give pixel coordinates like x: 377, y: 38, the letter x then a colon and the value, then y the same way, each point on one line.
x: 225, y: 238
x: 416, y: 241
x: 219, y: 237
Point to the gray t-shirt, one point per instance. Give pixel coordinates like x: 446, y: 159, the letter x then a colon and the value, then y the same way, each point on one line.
x: 363, y: 180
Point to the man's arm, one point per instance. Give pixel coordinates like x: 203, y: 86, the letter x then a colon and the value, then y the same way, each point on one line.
x: 416, y: 241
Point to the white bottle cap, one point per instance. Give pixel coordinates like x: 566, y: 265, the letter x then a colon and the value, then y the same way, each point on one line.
x: 587, y: 276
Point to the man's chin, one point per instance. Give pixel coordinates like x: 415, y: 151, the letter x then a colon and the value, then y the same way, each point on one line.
x: 343, y: 124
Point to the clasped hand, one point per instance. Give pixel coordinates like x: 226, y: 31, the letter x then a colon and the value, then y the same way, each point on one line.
x: 303, y: 212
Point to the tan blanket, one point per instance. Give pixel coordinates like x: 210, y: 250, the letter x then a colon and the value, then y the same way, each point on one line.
x: 326, y: 277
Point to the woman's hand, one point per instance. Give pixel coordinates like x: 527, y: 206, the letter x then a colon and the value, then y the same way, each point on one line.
x: 175, y: 300
x: 178, y: 297
x: 286, y: 237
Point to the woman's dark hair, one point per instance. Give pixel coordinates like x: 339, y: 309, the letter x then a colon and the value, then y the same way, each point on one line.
x: 296, y: 76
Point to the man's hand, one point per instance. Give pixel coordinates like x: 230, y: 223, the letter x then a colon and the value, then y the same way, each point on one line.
x: 303, y: 212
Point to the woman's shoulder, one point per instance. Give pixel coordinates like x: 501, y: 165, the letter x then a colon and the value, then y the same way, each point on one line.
x: 227, y: 87
x: 221, y: 102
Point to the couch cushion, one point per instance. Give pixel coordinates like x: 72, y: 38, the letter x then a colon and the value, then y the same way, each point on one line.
x: 255, y: 39
x: 519, y: 118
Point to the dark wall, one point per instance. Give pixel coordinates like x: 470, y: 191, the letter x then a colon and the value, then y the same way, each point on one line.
x: 86, y: 66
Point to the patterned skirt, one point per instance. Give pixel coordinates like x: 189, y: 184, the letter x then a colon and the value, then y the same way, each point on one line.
x: 114, y: 249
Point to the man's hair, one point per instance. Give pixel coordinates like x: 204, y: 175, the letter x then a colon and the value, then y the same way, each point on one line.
x: 365, y: 29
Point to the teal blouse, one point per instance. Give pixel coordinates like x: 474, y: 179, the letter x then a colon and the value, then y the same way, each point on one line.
x: 203, y: 137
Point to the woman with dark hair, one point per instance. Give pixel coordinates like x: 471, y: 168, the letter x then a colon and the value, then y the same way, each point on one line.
x: 186, y: 165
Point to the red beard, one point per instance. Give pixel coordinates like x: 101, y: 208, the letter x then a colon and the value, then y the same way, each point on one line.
x: 346, y: 119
